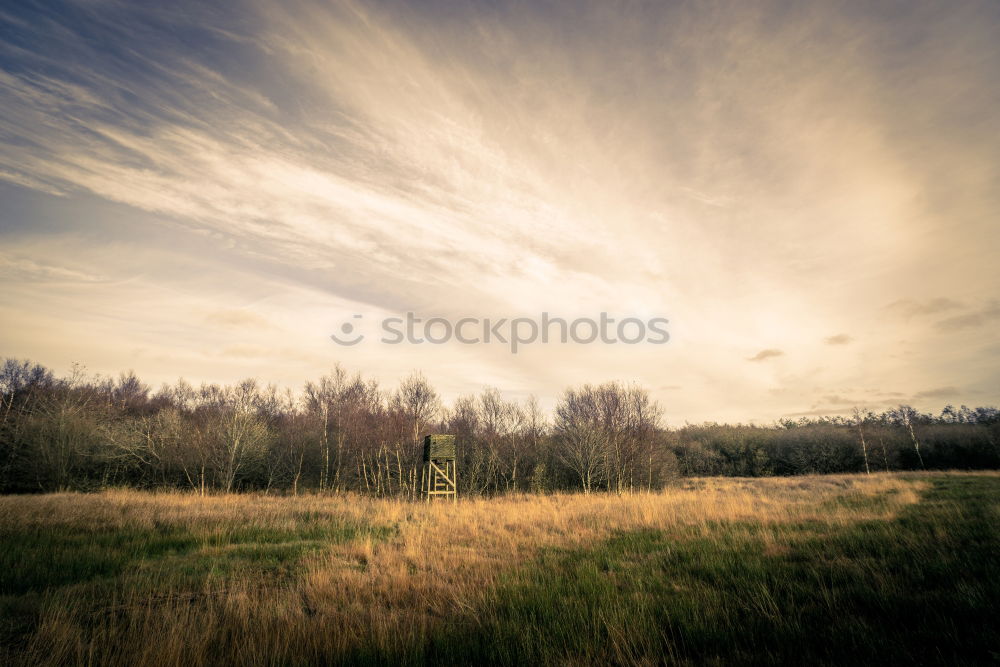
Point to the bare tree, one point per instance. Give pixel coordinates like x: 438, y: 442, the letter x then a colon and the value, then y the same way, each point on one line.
x: 859, y: 420
x: 906, y: 415
x: 237, y: 432
x: 582, y: 441
x: 419, y: 404
x: 84, y: 432
x: 64, y: 426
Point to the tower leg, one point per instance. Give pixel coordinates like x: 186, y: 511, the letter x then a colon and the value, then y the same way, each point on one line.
x: 454, y: 483
x: 439, y: 478
x: 425, y: 482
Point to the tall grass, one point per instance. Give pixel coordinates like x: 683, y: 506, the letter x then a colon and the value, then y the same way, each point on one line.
x: 824, y: 569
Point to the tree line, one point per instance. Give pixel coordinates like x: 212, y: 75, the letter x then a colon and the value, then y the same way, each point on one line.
x: 345, y: 433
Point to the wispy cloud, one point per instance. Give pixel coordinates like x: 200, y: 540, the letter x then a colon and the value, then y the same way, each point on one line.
x: 19, y: 269
x: 977, y: 317
x: 838, y: 339
x: 507, y: 160
x: 236, y: 319
x: 938, y: 393
x: 837, y: 401
x: 766, y: 354
x: 917, y: 307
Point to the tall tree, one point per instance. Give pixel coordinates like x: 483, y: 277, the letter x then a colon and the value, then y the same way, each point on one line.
x: 859, y: 420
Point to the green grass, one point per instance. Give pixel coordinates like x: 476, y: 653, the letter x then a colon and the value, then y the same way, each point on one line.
x: 39, y: 559
x: 923, y: 588
x: 43, y: 564
x: 918, y: 587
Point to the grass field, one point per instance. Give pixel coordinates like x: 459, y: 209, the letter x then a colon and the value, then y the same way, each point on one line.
x: 805, y: 570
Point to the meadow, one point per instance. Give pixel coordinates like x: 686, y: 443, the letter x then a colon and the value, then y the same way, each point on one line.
x: 897, y: 568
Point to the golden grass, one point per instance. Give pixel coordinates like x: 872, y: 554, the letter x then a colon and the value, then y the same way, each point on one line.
x: 376, y: 590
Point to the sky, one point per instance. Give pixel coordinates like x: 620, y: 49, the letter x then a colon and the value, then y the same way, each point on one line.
x: 807, y: 192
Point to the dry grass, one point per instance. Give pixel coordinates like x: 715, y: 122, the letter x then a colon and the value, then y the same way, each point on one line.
x: 350, y: 573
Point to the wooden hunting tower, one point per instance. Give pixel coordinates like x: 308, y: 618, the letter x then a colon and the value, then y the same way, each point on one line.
x: 438, y: 477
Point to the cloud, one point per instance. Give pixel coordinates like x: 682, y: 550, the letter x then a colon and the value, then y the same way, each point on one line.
x: 910, y: 307
x: 15, y: 268
x: 971, y: 320
x: 246, y: 351
x: 766, y: 354
x: 236, y: 319
x: 836, y: 399
x: 838, y: 339
x: 653, y: 160
x: 940, y: 392
x: 840, y: 404
x: 815, y: 412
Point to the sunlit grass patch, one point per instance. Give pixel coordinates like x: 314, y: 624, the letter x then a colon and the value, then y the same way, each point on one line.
x: 919, y: 587
x: 821, y: 569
